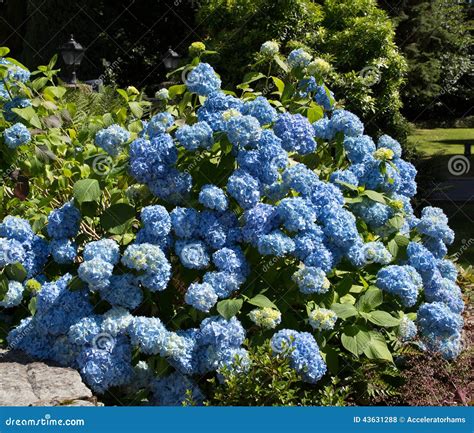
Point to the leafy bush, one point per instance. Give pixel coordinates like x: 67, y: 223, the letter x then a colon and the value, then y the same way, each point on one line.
x: 356, y: 37
x: 152, y: 254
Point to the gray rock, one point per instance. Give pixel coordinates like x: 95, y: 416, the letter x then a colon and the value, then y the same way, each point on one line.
x: 27, y: 383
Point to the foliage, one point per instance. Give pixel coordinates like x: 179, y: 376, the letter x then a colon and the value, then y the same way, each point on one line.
x: 356, y: 37
x: 435, y: 39
x: 157, y: 231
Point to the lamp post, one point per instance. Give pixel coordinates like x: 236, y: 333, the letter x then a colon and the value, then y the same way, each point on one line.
x: 171, y: 60
x: 72, y: 53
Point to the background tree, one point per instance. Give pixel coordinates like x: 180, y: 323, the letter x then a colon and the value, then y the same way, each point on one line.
x: 356, y: 36
x: 435, y: 38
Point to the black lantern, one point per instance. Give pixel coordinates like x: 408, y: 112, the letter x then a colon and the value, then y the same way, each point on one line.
x: 171, y: 60
x: 72, y: 53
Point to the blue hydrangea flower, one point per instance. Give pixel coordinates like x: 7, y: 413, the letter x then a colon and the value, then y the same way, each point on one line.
x: 148, y: 334
x: 193, y: 255
x: 175, y: 389
x: 421, y: 259
x: 434, y: 223
x: 244, y: 188
x: 270, y: 48
x: 193, y: 137
x: 16, y: 228
x: 222, y: 333
x: 203, y: 80
x: 322, y: 129
x: 85, y: 330
x: 64, y: 222
x: 212, y: 230
x: 444, y: 290
x: 346, y: 122
x: 296, y: 133
x: 123, y: 291
x: 437, y: 319
x: 311, y: 280
x: 13, y: 296
x: 324, y: 97
x: 401, y: 281
x: 16, y: 135
x: 174, y: 187
x: 407, y: 173
x: 185, y: 222
x: 243, y: 131
x: 339, y: 226
x: 159, y: 123
x: 213, y: 197
x: 296, y: 214
x: 301, y: 179
x: 361, y: 254
x: 213, y: 108
x: 259, y: 220
x: 104, y: 249
x: 229, y: 259
x: 358, y: 148
x: 63, y: 250
x: 447, y: 269
x: 96, y: 273
x: 345, y: 176
x: 112, y: 139
x: 373, y: 213
x: 275, y: 243
x: 16, y: 102
x: 261, y: 109
x: 11, y: 251
x: 303, y: 351
x: 223, y: 283
x: 201, y: 296
x: 299, y: 58
x: 156, y: 220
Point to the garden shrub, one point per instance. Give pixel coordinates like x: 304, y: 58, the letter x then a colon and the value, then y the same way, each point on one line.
x: 355, y: 37
x: 166, y: 255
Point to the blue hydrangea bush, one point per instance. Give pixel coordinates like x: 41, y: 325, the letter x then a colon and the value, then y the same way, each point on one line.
x: 220, y: 222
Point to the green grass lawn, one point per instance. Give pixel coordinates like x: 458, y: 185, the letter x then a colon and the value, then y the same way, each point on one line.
x: 440, y: 141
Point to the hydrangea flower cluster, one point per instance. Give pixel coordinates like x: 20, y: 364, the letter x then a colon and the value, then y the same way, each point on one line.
x: 200, y: 239
x: 112, y: 139
x: 16, y: 135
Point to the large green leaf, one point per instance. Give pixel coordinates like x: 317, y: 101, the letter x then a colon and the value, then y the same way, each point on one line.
x: 117, y: 218
x: 3, y: 286
x: 370, y: 300
x: 344, y: 311
x: 355, y: 340
x: 16, y: 272
x: 86, y: 190
x: 382, y: 318
x: 375, y: 196
x: 229, y: 307
x: 262, y: 301
x: 377, y: 347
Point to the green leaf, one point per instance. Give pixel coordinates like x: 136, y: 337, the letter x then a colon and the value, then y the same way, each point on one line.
x: 371, y: 299
x: 228, y: 308
x: 392, y: 247
x: 382, y: 318
x: 4, y: 51
x: 331, y: 358
x: 29, y: 114
x: 314, y: 113
x: 3, y: 286
x: 280, y: 85
x: 117, y: 218
x: 344, y: 311
x: 75, y: 284
x: 375, y: 196
x: 396, y: 222
x: 123, y: 94
x: 402, y: 241
x: 355, y: 340
x: 351, y: 187
x: 16, y: 272
x: 136, y: 109
x: 281, y: 63
x: 176, y: 90
x: 262, y: 301
x: 86, y: 190
x: 344, y: 286
x: 32, y: 305
x: 53, y: 92
x: 377, y: 347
